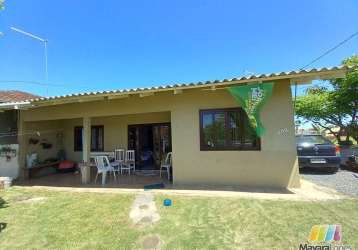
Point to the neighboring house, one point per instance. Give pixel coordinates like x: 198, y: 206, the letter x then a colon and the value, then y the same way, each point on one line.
x: 201, y: 123
x: 9, y: 113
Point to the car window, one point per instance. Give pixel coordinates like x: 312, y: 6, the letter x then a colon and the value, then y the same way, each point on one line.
x: 312, y: 139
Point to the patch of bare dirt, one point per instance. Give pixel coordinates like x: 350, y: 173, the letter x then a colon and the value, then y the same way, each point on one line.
x: 151, y: 242
x: 144, y: 207
x: 33, y: 200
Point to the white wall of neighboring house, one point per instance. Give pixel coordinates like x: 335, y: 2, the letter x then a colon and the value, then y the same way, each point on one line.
x: 9, y: 166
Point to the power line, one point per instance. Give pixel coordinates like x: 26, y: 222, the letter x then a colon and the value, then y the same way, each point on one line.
x: 330, y: 50
x: 308, y: 64
x: 33, y: 82
x: 318, y: 58
x: 40, y: 83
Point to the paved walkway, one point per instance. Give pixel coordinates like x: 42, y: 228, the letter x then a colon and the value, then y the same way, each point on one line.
x: 144, y: 214
x: 308, y: 192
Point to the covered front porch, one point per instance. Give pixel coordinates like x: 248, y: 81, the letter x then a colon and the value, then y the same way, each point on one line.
x: 47, y: 143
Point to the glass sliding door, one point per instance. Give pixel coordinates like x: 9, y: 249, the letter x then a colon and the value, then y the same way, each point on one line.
x: 162, y: 142
x: 151, y: 143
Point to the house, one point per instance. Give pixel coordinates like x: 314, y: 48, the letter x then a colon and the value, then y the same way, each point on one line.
x: 8, y: 116
x: 8, y: 130
x: 207, y: 130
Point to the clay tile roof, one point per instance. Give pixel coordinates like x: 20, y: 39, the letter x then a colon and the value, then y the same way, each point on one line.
x: 15, y: 96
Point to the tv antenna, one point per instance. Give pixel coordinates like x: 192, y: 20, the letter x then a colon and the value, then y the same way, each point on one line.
x: 44, y: 41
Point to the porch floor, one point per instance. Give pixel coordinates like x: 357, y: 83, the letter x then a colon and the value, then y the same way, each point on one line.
x: 133, y: 181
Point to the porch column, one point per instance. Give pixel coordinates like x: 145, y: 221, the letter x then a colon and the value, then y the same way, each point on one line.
x: 86, y: 150
x: 86, y: 139
x: 21, y: 140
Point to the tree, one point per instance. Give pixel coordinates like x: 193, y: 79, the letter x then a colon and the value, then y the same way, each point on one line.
x: 333, y: 107
x: 346, y: 96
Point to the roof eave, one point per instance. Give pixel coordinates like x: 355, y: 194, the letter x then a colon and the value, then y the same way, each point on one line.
x: 295, y: 77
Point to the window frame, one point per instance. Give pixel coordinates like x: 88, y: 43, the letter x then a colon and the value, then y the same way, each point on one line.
x: 80, y: 149
x: 242, y: 147
x: 77, y: 148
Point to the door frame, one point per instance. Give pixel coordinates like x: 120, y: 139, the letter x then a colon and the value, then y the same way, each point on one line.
x: 149, y: 124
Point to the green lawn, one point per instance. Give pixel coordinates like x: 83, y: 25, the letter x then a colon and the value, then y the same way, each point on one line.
x: 100, y: 221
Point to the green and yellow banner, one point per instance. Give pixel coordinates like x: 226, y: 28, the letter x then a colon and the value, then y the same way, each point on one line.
x: 252, y: 98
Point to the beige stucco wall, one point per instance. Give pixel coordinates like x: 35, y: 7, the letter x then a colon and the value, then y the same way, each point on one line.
x: 115, y: 130
x: 274, y: 166
x: 43, y: 131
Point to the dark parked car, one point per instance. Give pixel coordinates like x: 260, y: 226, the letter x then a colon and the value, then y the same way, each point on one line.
x: 315, y: 151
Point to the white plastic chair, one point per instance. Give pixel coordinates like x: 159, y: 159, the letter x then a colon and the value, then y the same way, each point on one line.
x: 118, y: 159
x: 124, y: 165
x: 103, y: 167
x: 167, y: 164
x: 130, y: 159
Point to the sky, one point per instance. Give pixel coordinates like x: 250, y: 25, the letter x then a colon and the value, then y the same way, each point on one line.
x: 104, y: 45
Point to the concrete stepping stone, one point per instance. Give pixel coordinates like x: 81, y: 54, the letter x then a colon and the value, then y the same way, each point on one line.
x: 144, y: 212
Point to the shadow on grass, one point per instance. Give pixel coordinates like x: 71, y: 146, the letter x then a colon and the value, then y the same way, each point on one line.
x: 2, y: 203
x: 2, y: 226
